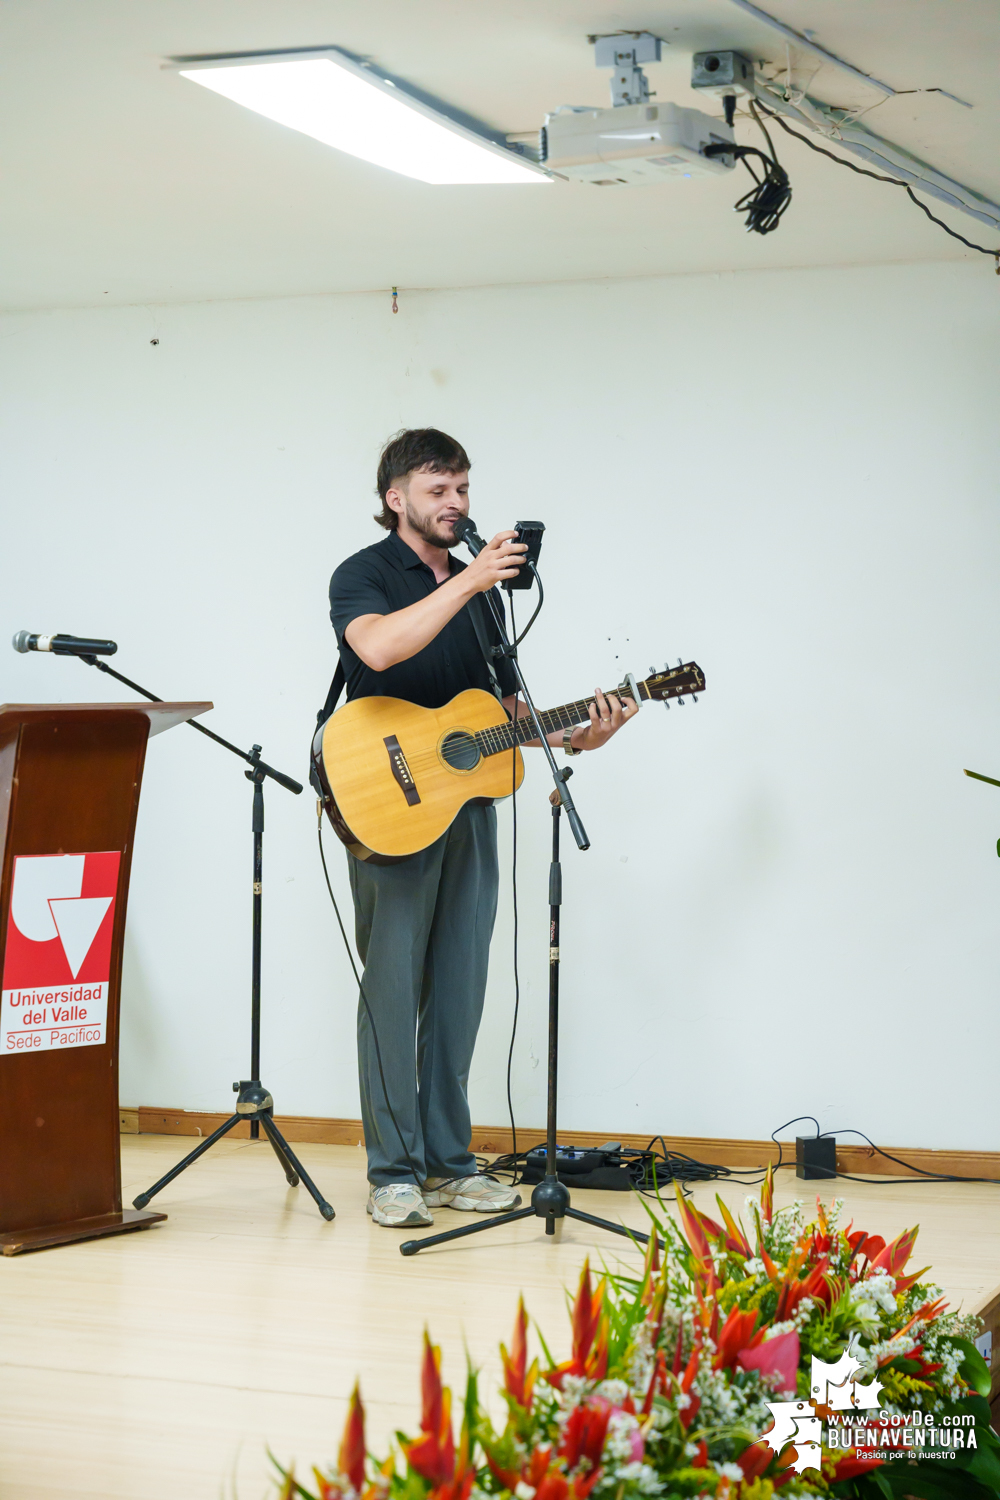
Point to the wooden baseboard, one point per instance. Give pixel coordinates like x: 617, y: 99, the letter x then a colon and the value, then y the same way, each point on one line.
x: 147, y: 1120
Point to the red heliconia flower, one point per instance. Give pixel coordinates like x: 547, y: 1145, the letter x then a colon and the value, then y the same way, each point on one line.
x: 754, y: 1460
x: 584, y: 1434
x: 689, y: 1413
x: 537, y: 1467
x: 590, y: 1335
x: 554, y: 1486
x: 778, y: 1357
x: 736, y: 1335
x: 894, y: 1257
x: 532, y: 1473
x: 351, y: 1459
x: 651, y: 1265
x: 678, y: 1348
x: 583, y: 1443
x: 692, y: 1222
x: 432, y: 1454
x: 767, y: 1195
x: 925, y: 1314
x: 519, y: 1380
x: 819, y: 1285
x: 737, y: 1240
x: 658, y: 1381
x: 866, y: 1245
x: 700, y: 1460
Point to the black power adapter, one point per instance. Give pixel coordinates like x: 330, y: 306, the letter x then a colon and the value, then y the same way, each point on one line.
x: 815, y: 1156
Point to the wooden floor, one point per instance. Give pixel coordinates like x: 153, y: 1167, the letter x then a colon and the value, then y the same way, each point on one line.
x: 162, y: 1364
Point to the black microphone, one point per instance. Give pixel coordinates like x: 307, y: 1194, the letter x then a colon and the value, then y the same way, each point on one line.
x: 63, y: 645
x: 465, y: 530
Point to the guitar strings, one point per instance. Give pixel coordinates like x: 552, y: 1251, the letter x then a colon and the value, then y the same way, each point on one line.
x: 496, y: 739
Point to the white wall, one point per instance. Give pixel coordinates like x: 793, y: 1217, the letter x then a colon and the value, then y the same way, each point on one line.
x: 790, y: 902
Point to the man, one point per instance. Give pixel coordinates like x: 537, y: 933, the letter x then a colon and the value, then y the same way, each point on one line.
x: 402, y: 613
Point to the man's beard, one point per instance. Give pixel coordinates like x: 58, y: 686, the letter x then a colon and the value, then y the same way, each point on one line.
x: 425, y: 529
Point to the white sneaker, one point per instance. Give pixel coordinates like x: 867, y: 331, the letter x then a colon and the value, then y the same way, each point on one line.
x: 398, y: 1205
x: 480, y: 1195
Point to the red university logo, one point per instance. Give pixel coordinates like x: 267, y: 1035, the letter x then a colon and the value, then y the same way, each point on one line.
x: 57, y: 959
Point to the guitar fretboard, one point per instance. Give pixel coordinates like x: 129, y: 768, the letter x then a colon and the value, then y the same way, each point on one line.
x: 503, y: 736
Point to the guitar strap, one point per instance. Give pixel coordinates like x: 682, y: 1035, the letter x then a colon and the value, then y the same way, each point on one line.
x: 332, y: 697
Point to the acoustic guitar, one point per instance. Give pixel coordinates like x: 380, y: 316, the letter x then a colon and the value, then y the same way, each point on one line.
x: 394, y: 776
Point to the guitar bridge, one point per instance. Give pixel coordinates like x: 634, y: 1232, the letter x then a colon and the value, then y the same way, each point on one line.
x: 400, y: 770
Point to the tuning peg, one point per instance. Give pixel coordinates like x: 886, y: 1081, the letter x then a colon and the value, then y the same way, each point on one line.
x: 652, y: 671
x: 694, y: 697
x: 666, y: 704
x: 680, y: 662
x: 680, y: 703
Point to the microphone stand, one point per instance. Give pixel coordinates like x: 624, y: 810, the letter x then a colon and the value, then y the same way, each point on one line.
x: 253, y: 1101
x: 550, y: 1200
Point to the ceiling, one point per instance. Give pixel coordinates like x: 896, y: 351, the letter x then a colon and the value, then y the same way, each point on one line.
x: 124, y: 183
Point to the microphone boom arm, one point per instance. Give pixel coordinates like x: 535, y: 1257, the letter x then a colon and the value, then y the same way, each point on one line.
x: 252, y: 760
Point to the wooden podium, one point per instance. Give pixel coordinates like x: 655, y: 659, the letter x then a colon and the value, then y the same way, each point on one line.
x: 69, y: 792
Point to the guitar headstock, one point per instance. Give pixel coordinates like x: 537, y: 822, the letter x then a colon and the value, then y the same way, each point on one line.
x: 685, y: 679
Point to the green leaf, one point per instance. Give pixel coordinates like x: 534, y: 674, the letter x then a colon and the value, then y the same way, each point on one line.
x: 973, y: 1367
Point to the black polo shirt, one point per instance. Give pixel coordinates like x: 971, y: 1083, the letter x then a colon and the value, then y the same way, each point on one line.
x: 390, y: 576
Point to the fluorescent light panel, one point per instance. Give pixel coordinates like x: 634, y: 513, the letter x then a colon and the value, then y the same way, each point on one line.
x: 334, y: 100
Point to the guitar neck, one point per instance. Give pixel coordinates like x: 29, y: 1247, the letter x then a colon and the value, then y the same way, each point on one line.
x: 566, y: 716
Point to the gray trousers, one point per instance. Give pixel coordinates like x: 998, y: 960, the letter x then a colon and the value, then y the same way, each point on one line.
x: 423, y: 930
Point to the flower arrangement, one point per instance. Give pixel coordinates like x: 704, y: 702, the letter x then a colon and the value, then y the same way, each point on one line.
x: 678, y: 1378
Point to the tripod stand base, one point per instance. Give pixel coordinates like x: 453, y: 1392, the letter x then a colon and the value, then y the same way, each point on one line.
x: 252, y: 1097
x: 550, y: 1201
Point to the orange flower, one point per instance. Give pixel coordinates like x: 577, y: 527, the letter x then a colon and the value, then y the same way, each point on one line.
x: 590, y: 1335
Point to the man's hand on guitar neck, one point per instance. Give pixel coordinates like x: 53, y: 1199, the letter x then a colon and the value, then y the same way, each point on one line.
x: 607, y: 715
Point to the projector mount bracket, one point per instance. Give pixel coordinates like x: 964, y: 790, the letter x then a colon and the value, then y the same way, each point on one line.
x: 625, y: 52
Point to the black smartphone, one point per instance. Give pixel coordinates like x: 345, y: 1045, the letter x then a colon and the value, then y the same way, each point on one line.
x: 529, y: 532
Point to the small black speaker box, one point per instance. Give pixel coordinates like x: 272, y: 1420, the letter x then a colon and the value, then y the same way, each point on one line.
x: 816, y: 1156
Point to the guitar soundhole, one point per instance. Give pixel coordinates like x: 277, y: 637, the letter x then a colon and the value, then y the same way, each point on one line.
x: 460, y: 750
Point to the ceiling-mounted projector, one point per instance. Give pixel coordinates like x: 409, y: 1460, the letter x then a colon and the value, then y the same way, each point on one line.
x: 636, y: 141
